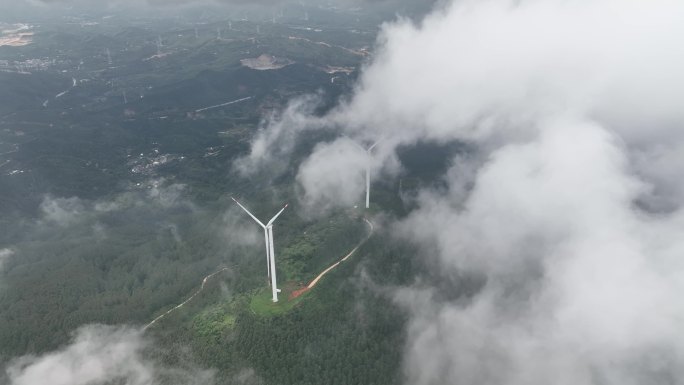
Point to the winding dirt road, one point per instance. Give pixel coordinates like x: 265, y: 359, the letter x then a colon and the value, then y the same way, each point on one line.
x: 204, y: 282
x: 294, y: 294
x: 326, y: 271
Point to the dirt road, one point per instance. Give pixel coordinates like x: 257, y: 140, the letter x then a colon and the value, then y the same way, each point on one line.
x: 326, y: 271
x: 204, y: 282
x: 299, y: 292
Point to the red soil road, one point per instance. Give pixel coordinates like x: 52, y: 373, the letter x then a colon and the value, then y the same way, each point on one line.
x: 313, y: 283
x: 293, y: 295
x: 298, y: 292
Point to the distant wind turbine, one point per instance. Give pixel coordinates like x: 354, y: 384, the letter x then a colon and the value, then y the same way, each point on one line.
x: 306, y: 13
x: 270, y: 251
x: 368, y: 168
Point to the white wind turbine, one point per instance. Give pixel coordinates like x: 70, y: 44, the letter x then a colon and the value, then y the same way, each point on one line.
x: 368, y: 168
x: 270, y: 252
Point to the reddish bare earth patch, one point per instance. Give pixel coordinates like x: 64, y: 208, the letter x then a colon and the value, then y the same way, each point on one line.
x: 296, y: 293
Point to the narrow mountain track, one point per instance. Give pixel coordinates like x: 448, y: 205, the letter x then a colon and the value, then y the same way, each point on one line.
x: 315, y: 281
x: 204, y: 282
x: 295, y: 294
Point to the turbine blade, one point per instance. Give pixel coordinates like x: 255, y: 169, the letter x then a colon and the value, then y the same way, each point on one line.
x: 276, y: 216
x: 357, y: 145
x: 373, y: 145
x: 247, y: 211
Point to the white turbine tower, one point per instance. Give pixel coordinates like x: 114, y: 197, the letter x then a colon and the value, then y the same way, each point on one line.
x: 368, y: 168
x: 270, y: 251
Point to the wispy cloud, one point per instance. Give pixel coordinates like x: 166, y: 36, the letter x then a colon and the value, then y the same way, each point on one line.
x: 101, y: 354
x: 572, y: 213
x: 171, y: 3
x: 5, y: 255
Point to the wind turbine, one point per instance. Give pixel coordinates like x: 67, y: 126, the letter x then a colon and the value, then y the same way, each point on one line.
x: 270, y: 251
x: 368, y: 168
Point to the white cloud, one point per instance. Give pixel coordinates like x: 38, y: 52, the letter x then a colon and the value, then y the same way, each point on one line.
x: 576, y: 109
x: 275, y: 142
x: 582, y: 288
x: 99, y: 355
x: 5, y: 255
x: 489, y: 71
x: 167, y: 195
x: 334, y: 175
x: 61, y: 211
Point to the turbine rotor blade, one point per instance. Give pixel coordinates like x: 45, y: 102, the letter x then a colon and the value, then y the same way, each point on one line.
x: 276, y: 216
x: 357, y: 145
x: 373, y: 145
x: 247, y: 211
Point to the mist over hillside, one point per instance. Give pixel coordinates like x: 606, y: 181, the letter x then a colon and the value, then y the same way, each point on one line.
x: 480, y: 192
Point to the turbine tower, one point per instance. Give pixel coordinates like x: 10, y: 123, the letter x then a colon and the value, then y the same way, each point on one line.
x: 368, y: 168
x: 270, y: 251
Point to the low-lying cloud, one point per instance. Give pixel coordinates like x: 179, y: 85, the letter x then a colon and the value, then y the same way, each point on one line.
x: 172, y: 3
x: 276, y: 140
x: 573, y: 212
x: 61, y: 211
x: 328, y: 164
x: 158, y: 195
x: 581, y: 287
x: 101, y: 354
x: 5, y: 255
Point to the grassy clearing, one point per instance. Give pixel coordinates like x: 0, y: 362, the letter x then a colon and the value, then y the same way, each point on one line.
x: 262, y: 304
